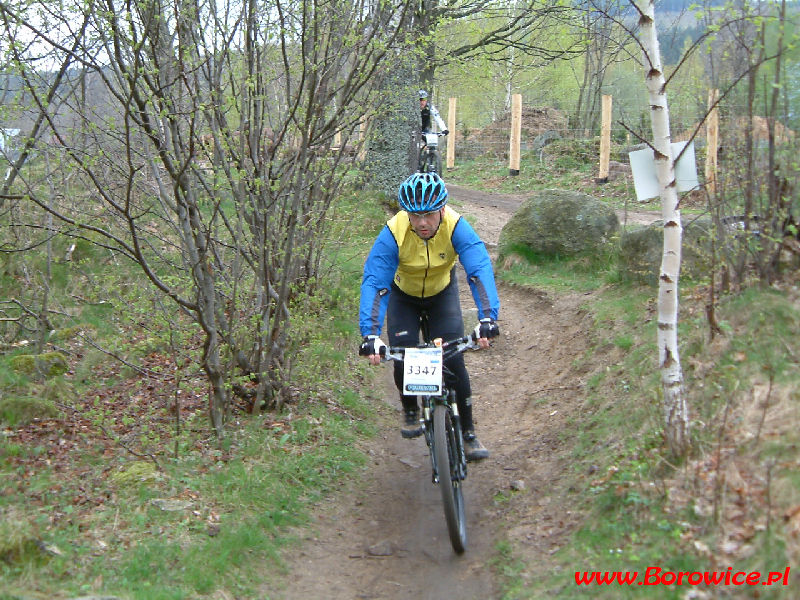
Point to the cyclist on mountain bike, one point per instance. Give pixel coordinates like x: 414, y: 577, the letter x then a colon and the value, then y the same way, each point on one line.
x: 428, y: 112
x: 411, y: 268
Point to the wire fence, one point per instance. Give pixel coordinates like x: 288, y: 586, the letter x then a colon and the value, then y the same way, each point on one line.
x: 629, y: 128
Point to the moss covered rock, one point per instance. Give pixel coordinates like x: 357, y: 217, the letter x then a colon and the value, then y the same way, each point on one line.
x: 47, y: 364
x: 640, y: 251
x: 135, y: 473
x: 559, y: 223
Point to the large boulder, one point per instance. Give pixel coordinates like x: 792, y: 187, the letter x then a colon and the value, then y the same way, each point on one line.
x: 554, y: 223
x: 45, y: 365
x: 640, y: 250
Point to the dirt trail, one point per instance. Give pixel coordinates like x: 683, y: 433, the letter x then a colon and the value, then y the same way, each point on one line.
x: 389, y: 539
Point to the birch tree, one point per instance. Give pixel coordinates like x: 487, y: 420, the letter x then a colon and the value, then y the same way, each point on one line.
x: 675, y: 409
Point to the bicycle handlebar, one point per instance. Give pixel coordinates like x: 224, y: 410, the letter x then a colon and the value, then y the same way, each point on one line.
x: 449, y: 348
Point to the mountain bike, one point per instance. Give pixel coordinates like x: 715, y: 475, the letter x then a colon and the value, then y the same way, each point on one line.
x: 424, y: 371
x: 429, y: 161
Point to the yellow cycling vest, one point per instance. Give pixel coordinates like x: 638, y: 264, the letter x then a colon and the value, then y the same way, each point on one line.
x: 424, y: 266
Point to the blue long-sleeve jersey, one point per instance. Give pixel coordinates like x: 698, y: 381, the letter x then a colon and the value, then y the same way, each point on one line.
x: 422, y: 267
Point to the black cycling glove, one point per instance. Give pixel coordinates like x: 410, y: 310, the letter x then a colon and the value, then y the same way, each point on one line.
x: 445, y: 132
x: 486, y: 328
x: 372, y: 344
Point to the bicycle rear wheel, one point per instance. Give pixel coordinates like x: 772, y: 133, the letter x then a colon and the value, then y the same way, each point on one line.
x: 447, y: 459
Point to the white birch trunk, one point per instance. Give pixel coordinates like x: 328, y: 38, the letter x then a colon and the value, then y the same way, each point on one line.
x: 676, y: 412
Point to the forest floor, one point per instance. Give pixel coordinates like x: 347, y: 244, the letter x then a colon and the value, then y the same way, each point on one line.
x: 384, y: 536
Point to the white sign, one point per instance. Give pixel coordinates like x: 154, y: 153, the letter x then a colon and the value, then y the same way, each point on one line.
x: 645, y: 180
x: 5, y: 136
x: 422, y: 371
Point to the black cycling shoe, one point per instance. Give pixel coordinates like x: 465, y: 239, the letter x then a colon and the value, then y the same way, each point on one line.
x: 411, y: 426
x: 473, y: 449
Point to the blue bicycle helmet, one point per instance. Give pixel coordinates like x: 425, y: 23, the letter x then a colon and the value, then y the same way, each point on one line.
x: 422, y: 192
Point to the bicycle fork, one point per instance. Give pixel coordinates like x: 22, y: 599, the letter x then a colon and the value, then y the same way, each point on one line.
x: 441, y: 403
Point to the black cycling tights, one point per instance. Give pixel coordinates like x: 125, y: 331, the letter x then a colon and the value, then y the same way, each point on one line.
x: 445, y: 321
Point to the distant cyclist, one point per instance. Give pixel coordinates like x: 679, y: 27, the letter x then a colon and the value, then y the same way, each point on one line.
x: 411, y: 268
x: 430, y: 115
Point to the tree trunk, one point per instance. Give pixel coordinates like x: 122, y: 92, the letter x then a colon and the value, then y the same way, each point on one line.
x: 676, y: 412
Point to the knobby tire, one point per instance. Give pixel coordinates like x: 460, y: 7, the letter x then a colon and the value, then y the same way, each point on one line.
x: 430, y: 161
x: 423, y: 161
x: 449, y: 484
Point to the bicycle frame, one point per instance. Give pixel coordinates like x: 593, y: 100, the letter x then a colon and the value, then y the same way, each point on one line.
x: 447, y: 400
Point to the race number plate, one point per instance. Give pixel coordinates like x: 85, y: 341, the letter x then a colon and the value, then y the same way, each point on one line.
x: 423, y: 371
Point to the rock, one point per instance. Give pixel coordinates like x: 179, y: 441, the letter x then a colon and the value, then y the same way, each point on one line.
x: 45, y: 365
x: 383, y: 548
x: 171, y: 504
x: 640, y: 250
x: 640, y: 253
x: 48, y: 548
x: 617, y: 170
x: 552, y: 223
x: 134, y: 473
x: 409, y: 462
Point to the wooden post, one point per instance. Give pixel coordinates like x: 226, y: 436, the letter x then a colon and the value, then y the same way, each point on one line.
x: 451, y: 126
x: 516, y: 134
x: 605, y: 140
x: 712, y: 142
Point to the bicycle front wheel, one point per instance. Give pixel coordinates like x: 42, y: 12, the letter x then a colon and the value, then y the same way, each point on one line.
x: 446, y: 455
x: 424, y: 162
x: 437, y: 162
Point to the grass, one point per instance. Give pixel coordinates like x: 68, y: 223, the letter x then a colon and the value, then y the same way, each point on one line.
x: 563, y: 164
x: 637, y: 515
x: 216, y: 516
x: 240, y: 502
x: 85, y: 509
x: 556, y: 274
x: 642, y: 509
x: 249, y: 499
